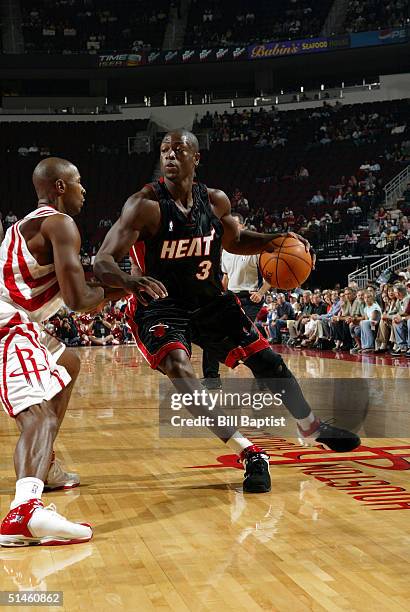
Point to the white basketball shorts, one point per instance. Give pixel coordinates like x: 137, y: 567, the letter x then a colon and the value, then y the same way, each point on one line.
x: 29, y: 373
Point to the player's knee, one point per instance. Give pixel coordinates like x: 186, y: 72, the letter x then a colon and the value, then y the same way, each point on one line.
x: 267, y: 364
x: 177, y: 365
x: 71, y: 362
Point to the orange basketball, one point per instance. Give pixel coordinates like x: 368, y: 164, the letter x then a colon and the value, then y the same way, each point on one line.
x: 288, y: 266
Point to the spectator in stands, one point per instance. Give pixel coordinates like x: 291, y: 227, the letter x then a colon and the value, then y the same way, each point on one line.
x: 400, y: 324
x: 9, y: 219
x: 406, y: 318
x: 297, y: 327
x: 317, y: 198
x: 261, y: 317
x: 288, y: 217
x: 68, y: 332
x: 100, y: 332
x: 83, y: 332
x: 284, y: 312
x: 319, y: 309
x: 390, y: 309
x: 356, y: 317
x: 324, y: 331
x: 303, y: 173
x: 33, y: 149
x: 45, y: 151
x: 349, y: 244
x: 340, y: 327
x: 368, y: 326
x: 355, y: 213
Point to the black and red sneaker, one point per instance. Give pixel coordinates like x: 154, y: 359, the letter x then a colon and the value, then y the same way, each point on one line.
x: 257, y: 476
x: 334, y: 438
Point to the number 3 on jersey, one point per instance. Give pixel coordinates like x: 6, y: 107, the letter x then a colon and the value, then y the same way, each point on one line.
x: 204, y: 270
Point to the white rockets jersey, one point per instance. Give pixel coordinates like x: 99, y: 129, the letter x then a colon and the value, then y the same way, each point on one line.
x: 28, y: 291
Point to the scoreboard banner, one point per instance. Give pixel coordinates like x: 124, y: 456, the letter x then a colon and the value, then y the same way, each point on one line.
x: 389, y: 36
x: 287, y: 48
x: 120, y: 60
x: 256, y: 51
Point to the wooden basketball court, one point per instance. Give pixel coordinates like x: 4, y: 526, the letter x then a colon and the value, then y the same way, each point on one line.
x: 170, y: 535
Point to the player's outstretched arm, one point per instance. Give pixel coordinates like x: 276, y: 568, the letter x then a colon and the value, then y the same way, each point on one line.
x: 65, y: 240
x: 139, y: 218
x: 242, y: 242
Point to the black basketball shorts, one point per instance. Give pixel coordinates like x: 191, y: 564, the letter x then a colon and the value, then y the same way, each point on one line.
x: 221, y: 327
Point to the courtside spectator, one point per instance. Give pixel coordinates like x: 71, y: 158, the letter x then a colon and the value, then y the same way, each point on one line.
x: 385, y: 330
x: 400, y: 322
x: 368, y: 327
x: 284, y: 312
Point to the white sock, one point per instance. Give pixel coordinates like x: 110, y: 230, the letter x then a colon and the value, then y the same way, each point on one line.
x: 238, y: 442
x: 307, y: 421
x: 27, y: 488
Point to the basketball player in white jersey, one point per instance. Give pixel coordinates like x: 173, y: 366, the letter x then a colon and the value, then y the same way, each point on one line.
x: 241, y: 276
x: 39, y: 271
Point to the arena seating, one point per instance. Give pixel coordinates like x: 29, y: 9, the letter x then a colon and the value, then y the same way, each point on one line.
x: 70, y: 26
x: 376, y: 14
x: 99, y: 150
x: 267, y: 173
x: 245, y: 21
x: 258, y: 152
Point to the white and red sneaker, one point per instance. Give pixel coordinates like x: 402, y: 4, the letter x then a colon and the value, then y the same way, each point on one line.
x: 32, y: 524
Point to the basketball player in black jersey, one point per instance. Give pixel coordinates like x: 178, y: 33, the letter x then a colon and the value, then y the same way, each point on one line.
x: 177, y: 228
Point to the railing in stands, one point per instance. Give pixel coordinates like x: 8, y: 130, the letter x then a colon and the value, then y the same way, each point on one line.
x: 376, y: 268
x: 360, y: 277
x: 394, y: 189
x: 395, y: 261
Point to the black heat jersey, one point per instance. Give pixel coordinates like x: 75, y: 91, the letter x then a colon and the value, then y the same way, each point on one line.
x: 186, y: 253
x: 185, y: 256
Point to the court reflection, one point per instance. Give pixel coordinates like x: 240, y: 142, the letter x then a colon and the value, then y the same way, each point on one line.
x: 29, y: 569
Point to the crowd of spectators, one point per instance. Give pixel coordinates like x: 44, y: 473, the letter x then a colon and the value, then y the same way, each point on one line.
x: 356, y: 124
x: 342, y: 208
x: 262, y: 128
x: 72, y: 26
x: 372, y: 320
x: 360, y: 321
x: 223, y: 22
x: 347, y: 219
x: 360, y: 126
x: 376, y: 14
x: 106, y: 328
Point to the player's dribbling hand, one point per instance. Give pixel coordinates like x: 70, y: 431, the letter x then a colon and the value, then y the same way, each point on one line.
x: 151, y: 287
x: 303, y: 240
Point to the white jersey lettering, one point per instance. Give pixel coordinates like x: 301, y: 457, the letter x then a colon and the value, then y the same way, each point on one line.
x: 187, y: 247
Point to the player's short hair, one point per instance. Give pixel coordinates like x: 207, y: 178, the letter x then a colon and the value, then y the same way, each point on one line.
x: 189, y: 137
x: 238, y: 216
